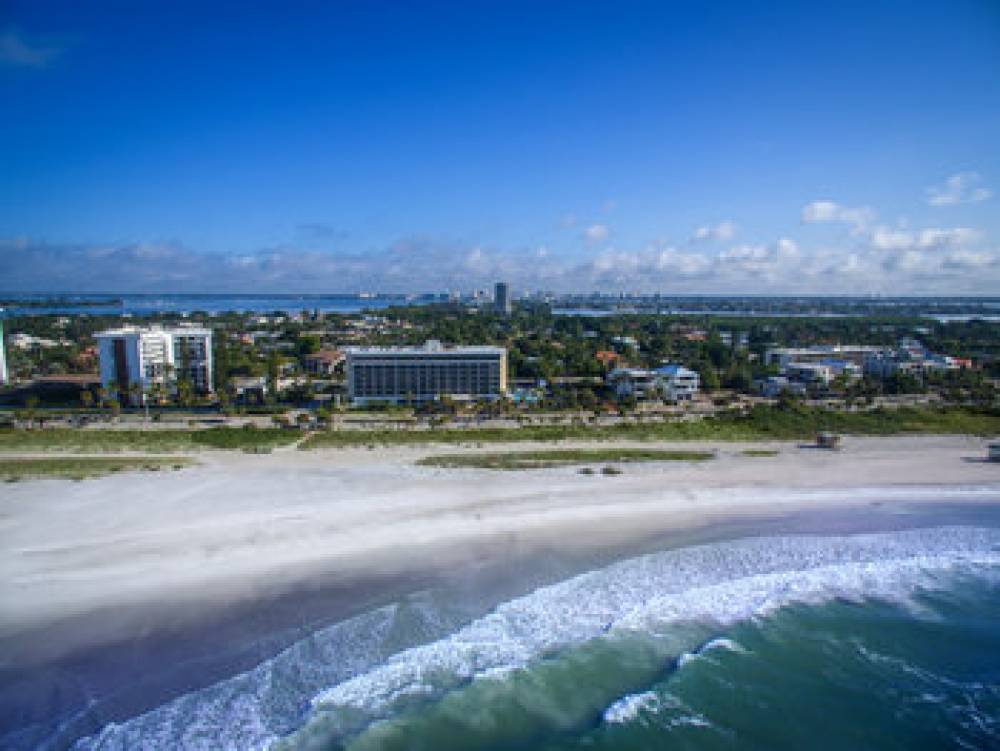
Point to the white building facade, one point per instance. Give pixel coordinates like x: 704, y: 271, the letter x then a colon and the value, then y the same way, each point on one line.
x: 420, y: 374
x: 672, y: 383
x: 3, y: 358
x: 142, y: 361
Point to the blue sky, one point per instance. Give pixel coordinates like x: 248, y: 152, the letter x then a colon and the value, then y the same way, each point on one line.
x: 681, y: 147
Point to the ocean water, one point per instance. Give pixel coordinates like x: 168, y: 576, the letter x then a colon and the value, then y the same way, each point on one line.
x: 886, y: 640
x: 138, y: 304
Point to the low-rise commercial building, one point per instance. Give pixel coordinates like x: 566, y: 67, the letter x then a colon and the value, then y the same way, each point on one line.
x: 426, y: 373
x: 909, y: 359
x: 856, y: 353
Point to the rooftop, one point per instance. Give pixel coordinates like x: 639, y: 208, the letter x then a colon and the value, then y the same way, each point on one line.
x: 155, y: 329
x: 432, y: 347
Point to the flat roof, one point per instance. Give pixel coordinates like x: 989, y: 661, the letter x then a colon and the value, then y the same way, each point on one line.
x: 424, y: 351
x: 126, y: 330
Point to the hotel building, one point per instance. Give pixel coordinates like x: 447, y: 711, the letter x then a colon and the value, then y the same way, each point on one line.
x: 420, y: 374
x: 156, y: 357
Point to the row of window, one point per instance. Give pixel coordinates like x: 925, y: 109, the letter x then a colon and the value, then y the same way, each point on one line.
x: 427, y: 380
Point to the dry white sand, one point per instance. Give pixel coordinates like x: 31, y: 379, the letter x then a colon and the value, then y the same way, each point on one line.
x: 240, y: 524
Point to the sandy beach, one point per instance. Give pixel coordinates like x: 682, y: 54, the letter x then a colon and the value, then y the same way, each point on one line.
x: 242, y: 526
x: 125, y: 591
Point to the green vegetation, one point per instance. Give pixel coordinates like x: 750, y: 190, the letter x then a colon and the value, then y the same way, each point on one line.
x: 80, y: 468
x: 559, y: 457
x: 760, y: 452
x: 109, y: 441
x: 244, y: 438
x: 761, y: 423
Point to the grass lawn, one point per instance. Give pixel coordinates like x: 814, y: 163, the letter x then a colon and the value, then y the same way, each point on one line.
x: 760, y: 452
x: 80, y: 468
x: 559, y: 457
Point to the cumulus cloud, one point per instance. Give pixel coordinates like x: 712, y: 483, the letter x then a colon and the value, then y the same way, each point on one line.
x: 886, y: 260
x: 829, y: 211
x: 962, y: 187
x: 721, y: 232
x: 597, y: 233
x: 968, y: 260
x: 19, y: 51
x: 932, y: 239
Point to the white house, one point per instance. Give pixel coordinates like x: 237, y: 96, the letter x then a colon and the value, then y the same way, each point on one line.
x: 673, y: 383
x: 677, y: 383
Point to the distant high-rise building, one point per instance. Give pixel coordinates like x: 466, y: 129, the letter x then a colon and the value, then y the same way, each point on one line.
x: 501, y: 298
x: 3, y: 356
x: 155, y: 357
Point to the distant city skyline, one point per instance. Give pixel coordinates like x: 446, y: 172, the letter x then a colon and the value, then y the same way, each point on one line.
x: 643, y: 147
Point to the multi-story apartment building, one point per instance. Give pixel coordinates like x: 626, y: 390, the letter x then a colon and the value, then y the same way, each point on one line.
x: 420, y: 374
x: 139, y: 361
x: 3, y: 356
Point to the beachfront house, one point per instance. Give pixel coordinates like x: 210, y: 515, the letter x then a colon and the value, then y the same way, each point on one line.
x: 672, y: 383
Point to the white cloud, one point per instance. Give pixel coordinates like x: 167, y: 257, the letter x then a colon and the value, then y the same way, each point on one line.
x: 597, y: 233
x: 829, y: 211
x: 909, y: 261
x: 17, y: 51
x: 745, y: 253
x: 962, y: 187
x: 884, y: 259
x: 787, y: 248
x: 722, y: 232
x: 970, y: 259
x: 933, y: 238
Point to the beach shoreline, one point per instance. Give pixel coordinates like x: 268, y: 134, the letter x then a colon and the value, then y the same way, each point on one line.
x: 237, y: 527
x: 204, y: 572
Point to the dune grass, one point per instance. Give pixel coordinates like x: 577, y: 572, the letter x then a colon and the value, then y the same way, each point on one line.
x: 559, y: 457
x: 759, y: 424
x: 80, y: 468
x: 75, y: 440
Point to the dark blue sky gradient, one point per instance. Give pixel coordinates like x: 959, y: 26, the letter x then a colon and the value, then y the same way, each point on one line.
x: 348, y: 127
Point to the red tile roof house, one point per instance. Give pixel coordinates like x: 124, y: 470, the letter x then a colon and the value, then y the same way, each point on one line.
x: 324, y: 362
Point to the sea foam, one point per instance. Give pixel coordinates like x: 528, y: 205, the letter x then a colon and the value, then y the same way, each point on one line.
x: 717, y: 584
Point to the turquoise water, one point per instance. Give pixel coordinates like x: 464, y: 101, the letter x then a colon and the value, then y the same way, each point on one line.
x: 844, y: 675
x: 888, y: 640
